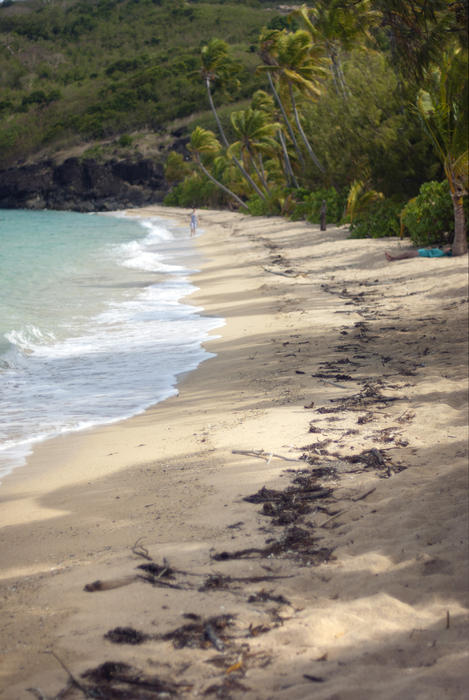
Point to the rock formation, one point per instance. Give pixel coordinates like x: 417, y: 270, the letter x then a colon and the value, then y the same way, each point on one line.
x: 83, y: 185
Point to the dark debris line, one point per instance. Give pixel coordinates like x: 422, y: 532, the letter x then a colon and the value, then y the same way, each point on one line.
x: 290, y: 512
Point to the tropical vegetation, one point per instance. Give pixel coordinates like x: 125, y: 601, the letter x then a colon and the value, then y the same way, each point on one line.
x: 358, y: 104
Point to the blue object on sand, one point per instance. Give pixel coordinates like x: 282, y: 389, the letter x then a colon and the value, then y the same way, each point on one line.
x: 431, y: 253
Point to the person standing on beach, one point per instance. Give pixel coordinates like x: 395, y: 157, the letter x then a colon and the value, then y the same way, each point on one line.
x: 323, y: 213
x: 194, y: 222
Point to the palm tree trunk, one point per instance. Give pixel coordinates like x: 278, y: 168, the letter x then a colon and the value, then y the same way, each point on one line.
x: 460, y: 236
x: 217, y: 183
x: 285, y: 119
x: 312, y: 154
x: 242, y: 170
x: 259, y: 174
x: 288, y: 167
x: 215, y: 113
x: 245, y: 173
x: 337, y: 72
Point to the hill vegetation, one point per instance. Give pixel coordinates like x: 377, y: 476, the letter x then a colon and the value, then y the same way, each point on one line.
x: 73, y: 71
x: 357, y: 105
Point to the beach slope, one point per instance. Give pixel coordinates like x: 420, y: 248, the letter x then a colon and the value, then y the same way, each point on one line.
x: 293, y: 524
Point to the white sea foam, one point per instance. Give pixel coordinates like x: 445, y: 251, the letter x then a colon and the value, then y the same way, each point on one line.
x: 121, y: 349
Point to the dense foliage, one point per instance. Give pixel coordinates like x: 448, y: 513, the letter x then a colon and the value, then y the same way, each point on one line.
x: 73, y: 71
x: 354, y: 103
x: 364, y: 99
x: 428, y: 218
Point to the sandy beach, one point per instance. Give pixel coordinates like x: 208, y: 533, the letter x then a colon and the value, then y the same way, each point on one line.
x: 294, y: 524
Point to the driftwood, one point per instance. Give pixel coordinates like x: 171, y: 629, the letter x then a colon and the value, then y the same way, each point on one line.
x: 264, y: 455
x: 110, y: 583
x: 287, y: 273
x: 360, y: 498
x: 72, y: 679
x: 140, y: 550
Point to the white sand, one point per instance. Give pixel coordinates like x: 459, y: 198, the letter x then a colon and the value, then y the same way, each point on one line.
x: 387, y: 615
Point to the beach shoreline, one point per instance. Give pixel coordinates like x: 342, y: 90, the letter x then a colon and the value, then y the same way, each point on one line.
x: 314, y: 322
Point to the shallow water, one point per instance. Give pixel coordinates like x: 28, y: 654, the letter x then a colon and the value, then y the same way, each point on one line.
x: 93, y: 328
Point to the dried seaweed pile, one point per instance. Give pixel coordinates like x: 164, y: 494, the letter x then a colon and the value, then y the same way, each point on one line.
x: 292, y: 532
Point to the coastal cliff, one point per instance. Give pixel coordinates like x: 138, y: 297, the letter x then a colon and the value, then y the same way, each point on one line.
x: 83, y: 185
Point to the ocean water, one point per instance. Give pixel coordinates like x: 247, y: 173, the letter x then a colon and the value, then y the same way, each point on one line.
x: 93, y: 323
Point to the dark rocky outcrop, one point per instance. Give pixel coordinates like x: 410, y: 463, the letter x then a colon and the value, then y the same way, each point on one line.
x: 83, y: 185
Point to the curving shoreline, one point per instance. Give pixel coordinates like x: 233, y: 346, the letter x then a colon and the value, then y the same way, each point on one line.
x: 377, y: 354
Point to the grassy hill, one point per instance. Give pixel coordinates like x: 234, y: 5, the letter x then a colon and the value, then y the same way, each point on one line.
x: 113, y: 75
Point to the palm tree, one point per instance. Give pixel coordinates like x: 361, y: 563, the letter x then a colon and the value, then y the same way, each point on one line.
x: 256, y: 136
x: 263, y: 101
x: 296, y: 63
x: 204, y: 142
x: 335, y: 25
x: 420, y: 30
x: 360, y: 198
x: 218, y: 66
x: 443, y: 107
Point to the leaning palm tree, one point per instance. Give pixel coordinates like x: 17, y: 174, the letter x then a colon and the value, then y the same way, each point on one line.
x: 205, y: 143
x: 335, y: 25
x: 296, y: 64
x: 217, y: 66
x: 443, y: 107
x: 256, y: 137
x: 261, y: 100
x: 419, y: 31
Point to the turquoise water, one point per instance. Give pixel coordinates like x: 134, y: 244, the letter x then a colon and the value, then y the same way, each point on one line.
x: 93, y: 328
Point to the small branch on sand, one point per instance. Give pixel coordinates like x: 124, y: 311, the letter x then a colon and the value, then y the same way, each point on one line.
x: 140, y: 550
x: 267, y: 456
x: 328, y: 381
x: 287, y: 273
x: 360, y: 498
x: 71, y: 677
x: 336, y: 515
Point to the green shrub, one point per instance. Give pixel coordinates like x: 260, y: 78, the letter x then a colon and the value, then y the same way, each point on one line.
x: 380, y: 220
x: 309, y: 208
x: 257, y: 206
x: 195, y: 191
x: 272, y: 206
x: 176, y: 168
x: 125, y: 141
x: 429, y: 217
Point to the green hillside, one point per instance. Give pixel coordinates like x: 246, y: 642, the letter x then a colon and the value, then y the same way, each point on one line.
x: 74, y: 71
x: 359, y: 106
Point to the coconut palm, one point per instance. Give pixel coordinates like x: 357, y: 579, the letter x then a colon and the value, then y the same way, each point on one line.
x: 443, y: 107
x: 360, y: 198
x: 256, y: 136
x: 419, y: 31
x: 335, y: 25
x: 205, y: 143
x: 263, y: 101
x: 296, y: 64
x: 218, y: 66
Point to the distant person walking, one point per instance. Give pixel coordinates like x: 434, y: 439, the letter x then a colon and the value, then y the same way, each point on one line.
x: 194, y: 222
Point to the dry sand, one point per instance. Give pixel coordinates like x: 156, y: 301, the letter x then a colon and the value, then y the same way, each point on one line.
x: 340, y: 384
